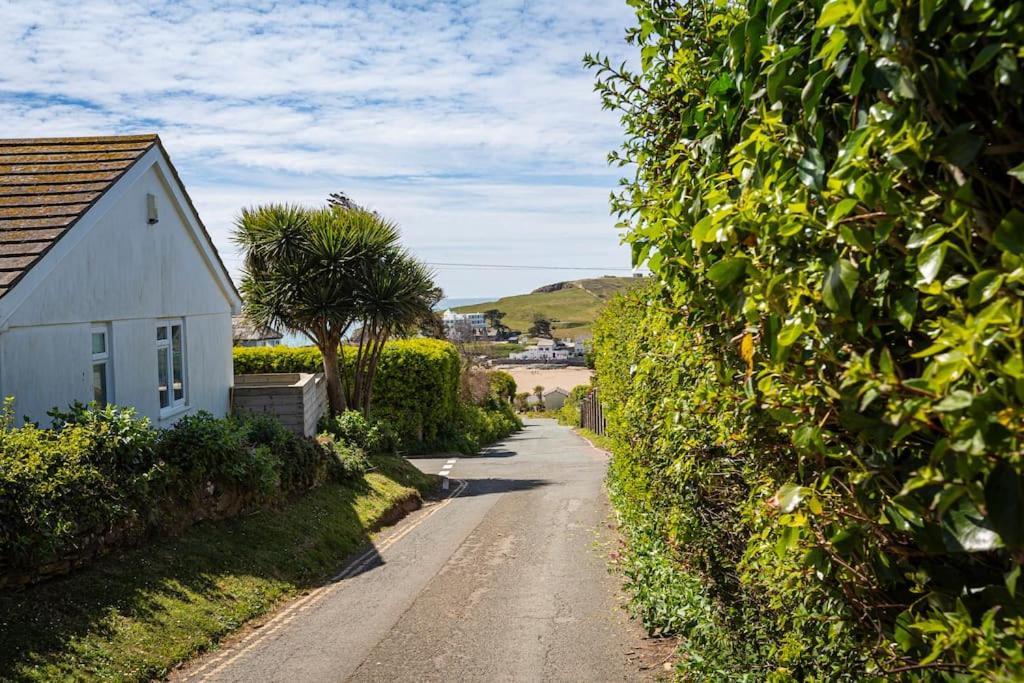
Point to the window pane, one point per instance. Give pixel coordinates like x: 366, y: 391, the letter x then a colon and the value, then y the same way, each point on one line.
x: 161, y: 370
x: 179, y: 372
x: 99, y: 342
x: 161, y: 332
x: 99, y: 383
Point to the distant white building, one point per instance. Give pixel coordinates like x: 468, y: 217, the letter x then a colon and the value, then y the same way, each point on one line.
x: 543, y: 350
x: 456, y: 324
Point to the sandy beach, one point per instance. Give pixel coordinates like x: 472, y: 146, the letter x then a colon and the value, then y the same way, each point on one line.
x: 529, y: 376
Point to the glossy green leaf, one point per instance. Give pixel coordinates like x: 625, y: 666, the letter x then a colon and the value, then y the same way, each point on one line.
x: 929, y: 261
x: 727, y: 271
x: 984, y: 286
x: 1004, y: 499
x: 789, y: 496
x: 1010, y: 233
x: 839, y: 286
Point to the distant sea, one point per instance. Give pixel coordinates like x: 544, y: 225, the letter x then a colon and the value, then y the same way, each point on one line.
x: 442, y: 305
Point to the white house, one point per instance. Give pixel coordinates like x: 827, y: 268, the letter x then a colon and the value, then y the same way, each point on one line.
x: 455, y: 323
x: 110, y: 287
x: 544, y: 349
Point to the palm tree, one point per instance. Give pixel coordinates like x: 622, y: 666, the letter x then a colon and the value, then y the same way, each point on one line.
x: 538, y: 391
x: 395, y: 294
x: 303, y: 269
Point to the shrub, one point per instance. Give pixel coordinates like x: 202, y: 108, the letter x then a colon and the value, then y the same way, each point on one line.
x: 100, y: 478
x: 503, y: 385
x: 89, y: 474
x: 373, y: 436
x: 476, y: 426
x: 569, y: 413
x: 830, y: 193
x: 349, y: 460
x: 415, y: 390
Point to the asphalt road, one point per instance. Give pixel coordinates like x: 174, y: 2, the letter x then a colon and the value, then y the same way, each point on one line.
x: 506, y: 579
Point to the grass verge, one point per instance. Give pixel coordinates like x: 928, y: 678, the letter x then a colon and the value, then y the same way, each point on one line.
x: 135, y: 614
x: 597, y: 440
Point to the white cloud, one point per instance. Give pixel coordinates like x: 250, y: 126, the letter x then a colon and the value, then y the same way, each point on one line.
x: 471, y: 122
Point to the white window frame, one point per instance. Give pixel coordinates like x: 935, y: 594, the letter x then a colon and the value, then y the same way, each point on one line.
x: 106, y: 358
x: 163, y: 346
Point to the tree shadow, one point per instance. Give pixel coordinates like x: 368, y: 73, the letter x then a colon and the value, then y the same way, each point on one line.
x: 493, y: 453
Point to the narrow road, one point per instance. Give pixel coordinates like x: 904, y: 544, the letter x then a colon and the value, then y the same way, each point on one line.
x: 504, y: 580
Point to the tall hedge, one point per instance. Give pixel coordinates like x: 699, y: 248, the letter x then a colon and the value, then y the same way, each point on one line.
x: 415, y: 388
x: 830, y: 194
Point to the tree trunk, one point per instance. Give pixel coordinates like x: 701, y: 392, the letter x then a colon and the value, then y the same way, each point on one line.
x: 371, y: 372
x: 335, y: 398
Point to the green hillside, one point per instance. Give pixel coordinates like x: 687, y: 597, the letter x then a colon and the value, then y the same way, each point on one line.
x: 572, y: 306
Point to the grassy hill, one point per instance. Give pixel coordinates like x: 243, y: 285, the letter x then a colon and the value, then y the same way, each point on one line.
x: 571, y: 306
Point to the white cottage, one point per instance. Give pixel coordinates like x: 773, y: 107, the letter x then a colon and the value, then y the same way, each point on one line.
x: 110, y: 287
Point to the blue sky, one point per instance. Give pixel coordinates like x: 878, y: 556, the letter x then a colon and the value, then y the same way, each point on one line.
x: 471, y: 123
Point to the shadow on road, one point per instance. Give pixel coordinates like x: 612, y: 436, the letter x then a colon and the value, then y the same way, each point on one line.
x: 493, y: 485
x: 370, y: 559
x: 493, y: 453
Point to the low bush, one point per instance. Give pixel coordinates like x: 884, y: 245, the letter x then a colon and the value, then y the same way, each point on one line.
x: 349, y: 459
x: 477, y: 426
x: 372, y: 436
x: 503, y: 385
x: 100, y: 478
x: 569, y: 413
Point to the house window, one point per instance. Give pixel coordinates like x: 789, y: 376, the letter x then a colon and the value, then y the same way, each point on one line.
x: 170, y: 364
x: 102, y: 377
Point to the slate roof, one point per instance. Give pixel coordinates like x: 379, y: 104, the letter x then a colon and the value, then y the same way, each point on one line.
x: 48, y: 184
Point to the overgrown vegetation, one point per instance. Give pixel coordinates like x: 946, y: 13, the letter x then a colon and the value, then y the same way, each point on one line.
x: 817, y: 415
x: 101, y: 478
x: 136, y: 614
x: 319, y: 272
x: 422, y: 397
x: 569, y: 413
x: 416, y: 386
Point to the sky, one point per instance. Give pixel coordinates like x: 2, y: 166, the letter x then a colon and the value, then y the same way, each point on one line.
x: 470, y: 123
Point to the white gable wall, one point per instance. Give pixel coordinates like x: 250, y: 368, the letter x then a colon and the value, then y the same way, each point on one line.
x: 123, y: 271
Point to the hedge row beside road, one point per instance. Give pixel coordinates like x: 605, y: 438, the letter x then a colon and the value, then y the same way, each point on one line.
x: 101, y: 478
x: 415, y: 389
x: 831, y: 195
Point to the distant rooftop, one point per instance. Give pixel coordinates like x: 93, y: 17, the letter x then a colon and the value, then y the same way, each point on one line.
x: 243, y: 330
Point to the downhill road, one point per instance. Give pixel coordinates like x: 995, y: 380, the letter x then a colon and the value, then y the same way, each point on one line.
x: 506, y: 579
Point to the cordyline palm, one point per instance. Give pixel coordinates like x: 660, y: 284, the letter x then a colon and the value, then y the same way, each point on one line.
x: 396, y: 293
x: 303, y: 270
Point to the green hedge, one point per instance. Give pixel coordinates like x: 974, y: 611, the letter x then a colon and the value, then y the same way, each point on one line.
x: 830, y: 195
x: 415, y: 388
x: 478, y: 426
x: 569, y: 413
x: 100, y: 478
x: 690, y: 476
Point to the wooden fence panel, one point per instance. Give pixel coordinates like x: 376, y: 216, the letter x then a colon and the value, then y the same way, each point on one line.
x: 591, y: 413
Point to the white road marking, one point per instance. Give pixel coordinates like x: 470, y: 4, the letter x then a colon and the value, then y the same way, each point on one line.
x: 452, y: 461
